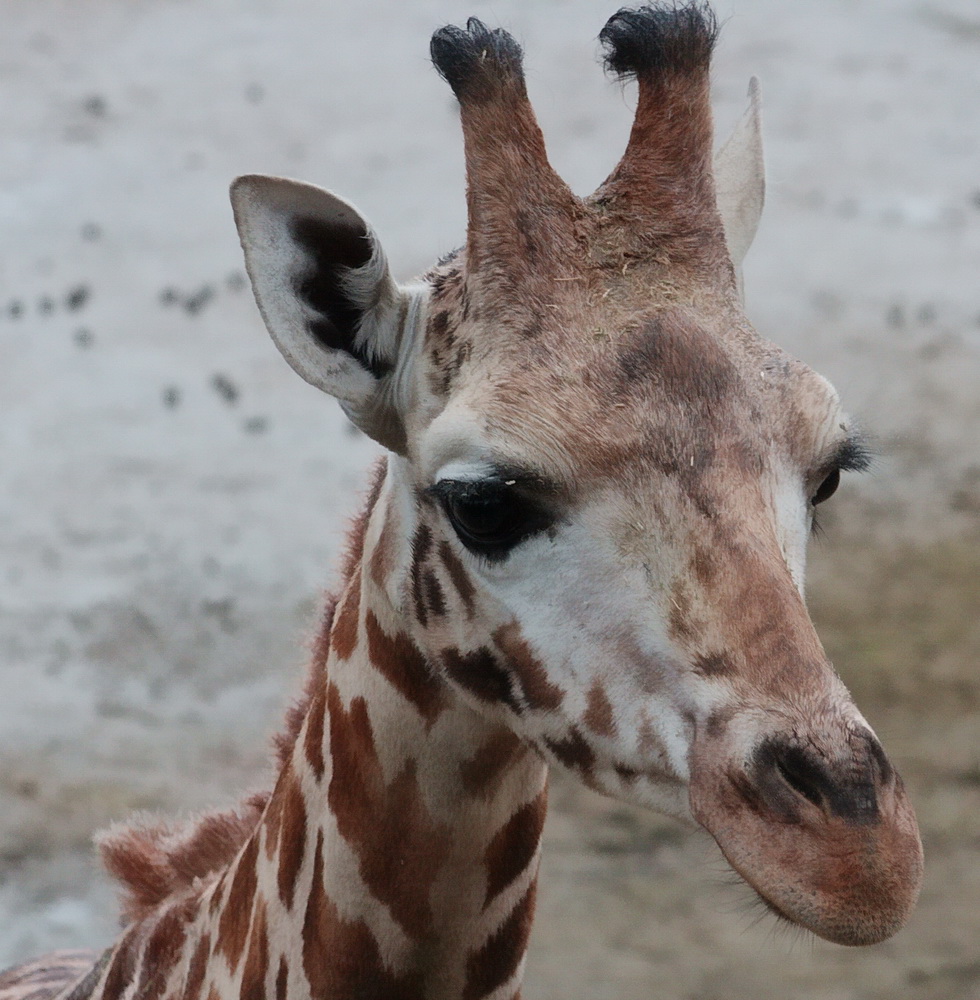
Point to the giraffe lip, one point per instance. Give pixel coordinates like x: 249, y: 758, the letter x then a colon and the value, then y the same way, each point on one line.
x: 849, y: 877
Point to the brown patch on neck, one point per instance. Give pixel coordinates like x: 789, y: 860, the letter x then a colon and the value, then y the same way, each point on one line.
x: 282, y: 979
x: 122, y: 969
x: 236, y: 911
x: 291, y: 834
x: 399, y: 846
x: 482, y: 773
x: 162, y: 950
x: 383, y: 555
x: 343, y: 634
x: 514, y: 846
x: 198, y: 966
x: 341, y: 958
x: 313, y: 743
x: 401, y: 662
x: 253, y: 975
x: 500, y: 957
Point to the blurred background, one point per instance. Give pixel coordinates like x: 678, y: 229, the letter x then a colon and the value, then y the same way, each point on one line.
x: 173, y: 497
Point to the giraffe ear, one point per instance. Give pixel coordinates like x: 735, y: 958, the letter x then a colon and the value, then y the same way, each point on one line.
x: 322, y: 284
x: 740, y: 180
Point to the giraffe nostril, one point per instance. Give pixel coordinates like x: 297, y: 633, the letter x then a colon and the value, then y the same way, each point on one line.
x: 802, y: 775
x: 847, y: 788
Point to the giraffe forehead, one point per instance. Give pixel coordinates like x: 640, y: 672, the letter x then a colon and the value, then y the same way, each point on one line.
x: 662, y: 389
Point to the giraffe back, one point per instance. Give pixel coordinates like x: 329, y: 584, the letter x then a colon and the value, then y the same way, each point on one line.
x: 70, y: 975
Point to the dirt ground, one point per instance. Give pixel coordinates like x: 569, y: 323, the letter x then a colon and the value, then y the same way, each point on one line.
x: 173, y: 497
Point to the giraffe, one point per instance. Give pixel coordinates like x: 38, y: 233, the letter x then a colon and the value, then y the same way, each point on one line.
x: 584, y: 550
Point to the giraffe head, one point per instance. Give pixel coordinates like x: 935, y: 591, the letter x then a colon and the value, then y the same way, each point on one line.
x: 602, y: 479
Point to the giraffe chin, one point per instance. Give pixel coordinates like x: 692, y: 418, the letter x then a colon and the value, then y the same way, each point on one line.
x: 849, y: 882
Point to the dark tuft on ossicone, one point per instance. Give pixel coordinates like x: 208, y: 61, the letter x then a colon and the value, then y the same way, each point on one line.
x: 658, y: 39
x: 474, y: 60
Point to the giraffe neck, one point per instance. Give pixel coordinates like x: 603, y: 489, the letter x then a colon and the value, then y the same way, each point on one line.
x: 397, y: 855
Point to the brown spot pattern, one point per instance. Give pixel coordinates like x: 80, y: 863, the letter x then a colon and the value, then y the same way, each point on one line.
x: 161, y: 952
x: 599, y: 713
x: 122, y: 968
x: 382, y: 558
x: 573, y: 751
x: 292, y: 836
x: 435, y: 600
x: 539, y: 692
x: 343, y: 635
x: 354, y: 966
x: 626, y: 773
x: 492, y: 965
x: 458, y: 576
x: 399, y: 847
x: 313, y: 743
x: 514, y: 846
x: 282, y: 979
x: 482, y: 772
x: 481, y: 674
x: 196, y: 969
x: 421, y: 546
x: 253, y: 975
x: 718, y: 721
x: 237, y: 911
x: 398, y: 658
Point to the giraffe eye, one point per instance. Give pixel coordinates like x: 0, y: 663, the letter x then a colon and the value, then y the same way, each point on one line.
x: 827, y: 488
x: 491, y: 517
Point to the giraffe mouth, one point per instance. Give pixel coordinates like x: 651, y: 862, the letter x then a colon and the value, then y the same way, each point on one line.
x: 845, y: 871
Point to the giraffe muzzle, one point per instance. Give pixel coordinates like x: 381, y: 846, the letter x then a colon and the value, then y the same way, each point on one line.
x: 821, y: 828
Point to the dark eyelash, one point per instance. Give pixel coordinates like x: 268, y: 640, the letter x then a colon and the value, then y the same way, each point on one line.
x: 854, y: 455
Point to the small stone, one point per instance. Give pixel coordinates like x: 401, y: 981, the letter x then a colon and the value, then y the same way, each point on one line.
x: 96, y: 105
x: 171, y: 397
x: 255, y: 425
x: 169, y: 296
x: 91, y: 232
x: 225, y: 388
x: 45, y: 305
x: 193, y: 304
x: 83, y: 337
x: 76, y: 297
x: 895, y: 316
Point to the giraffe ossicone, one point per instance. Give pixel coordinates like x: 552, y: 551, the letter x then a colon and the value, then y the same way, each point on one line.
x: 585, y: 551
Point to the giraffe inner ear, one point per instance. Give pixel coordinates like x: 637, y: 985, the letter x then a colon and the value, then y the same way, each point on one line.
x: 322, y: 284
x: 740, y: 179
